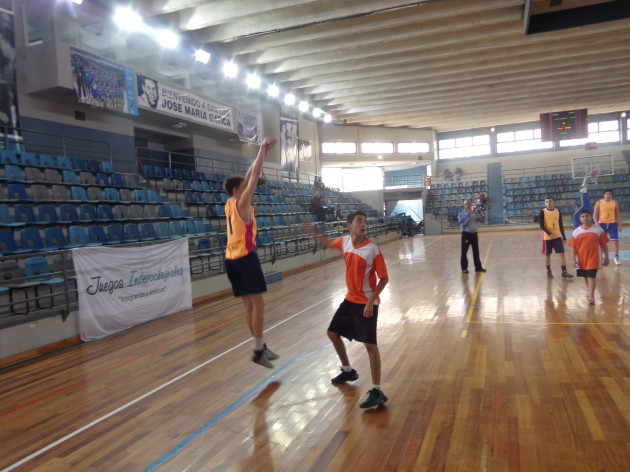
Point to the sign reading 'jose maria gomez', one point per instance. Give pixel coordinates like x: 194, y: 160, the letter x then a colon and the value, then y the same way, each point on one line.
x: 122, y: 287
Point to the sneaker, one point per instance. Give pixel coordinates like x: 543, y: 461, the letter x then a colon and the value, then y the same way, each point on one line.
x: 591, y: 300
x: 260, y: 358
x: 617, y: 260
x: 374, y: 398
x: 345, y: 377
x: 269, y: 354
x: 566, y: 275
x: 480, y: 270
x: 465, y: 271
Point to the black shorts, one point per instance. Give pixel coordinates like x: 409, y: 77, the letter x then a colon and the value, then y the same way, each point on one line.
x: 246, y: 275
x: 350, y: 323
x: 556, y: 244
x: 589, y: 273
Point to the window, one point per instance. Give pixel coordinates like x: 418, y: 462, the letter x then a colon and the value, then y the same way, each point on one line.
x: 412, y: 148
x: 598, y: 132
x: 377, y: 148
x: 465, y: 146
x: 351, y: 179
x: 339, y: 148
x: 521, y: 140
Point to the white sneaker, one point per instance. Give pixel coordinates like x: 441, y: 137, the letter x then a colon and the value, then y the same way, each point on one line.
x: 617, y: 260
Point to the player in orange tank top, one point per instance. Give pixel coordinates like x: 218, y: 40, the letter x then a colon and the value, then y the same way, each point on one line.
x: 241, y: 263
x: 607, y: 215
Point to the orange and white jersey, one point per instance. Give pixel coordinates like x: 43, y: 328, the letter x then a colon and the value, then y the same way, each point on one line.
x: 587, y: 244
x: 363, y: 264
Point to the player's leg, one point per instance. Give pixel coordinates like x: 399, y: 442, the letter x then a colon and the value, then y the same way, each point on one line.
x: 341, y: 325
x: 375, y: 395
x: 464, y: 256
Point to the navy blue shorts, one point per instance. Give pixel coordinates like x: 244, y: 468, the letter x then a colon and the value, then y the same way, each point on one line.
x: 612, y: 230
x: 350, y: 323
x: 246, y: 275
x: 555, y: 244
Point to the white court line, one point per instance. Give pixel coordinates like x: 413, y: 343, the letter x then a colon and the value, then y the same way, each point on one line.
x: 172, y: 381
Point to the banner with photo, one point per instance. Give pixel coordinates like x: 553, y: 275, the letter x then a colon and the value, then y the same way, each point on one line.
x: 182, y: 104
x: 289, y: 144
x: 102, y: 83
x: 249, y: 127
x: 123, y: 287
x: 8, y: 81
x: 305, y: 150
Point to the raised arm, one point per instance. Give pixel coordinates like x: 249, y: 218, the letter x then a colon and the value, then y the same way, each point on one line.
x: 251, y: 178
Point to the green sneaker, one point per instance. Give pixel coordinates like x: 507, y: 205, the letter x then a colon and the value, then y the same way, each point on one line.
x: 374, y: 398
x: 345, y: 377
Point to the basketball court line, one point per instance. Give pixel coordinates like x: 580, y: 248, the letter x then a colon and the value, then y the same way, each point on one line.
x: 176, y: 379
x: 473, y: 302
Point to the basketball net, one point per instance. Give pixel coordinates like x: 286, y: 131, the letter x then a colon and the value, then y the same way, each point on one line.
x: 590, y: 177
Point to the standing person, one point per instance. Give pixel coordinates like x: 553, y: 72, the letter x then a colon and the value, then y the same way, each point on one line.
x: 468, y: 220
x: 357, y: 316
x: 553, y: 236
x: 589, y: 243
x: 241, y: 260
x: 608, y: 216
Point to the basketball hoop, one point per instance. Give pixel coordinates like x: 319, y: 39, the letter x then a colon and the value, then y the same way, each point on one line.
x: 593, y: 176
x: 590, y: 177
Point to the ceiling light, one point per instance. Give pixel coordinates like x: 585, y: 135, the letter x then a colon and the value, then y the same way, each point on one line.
x: 327, y: 118
x: 253, y: 81
x: 127, y: 19
x: 202, y: 56
x: 230, y: 69
x: 78, y: 2
x: 289, y: 99
x: 303, y: 106
x: 623, y: 115
x: 273, y: 90
x: 167, y: 39
x: 317, y: 112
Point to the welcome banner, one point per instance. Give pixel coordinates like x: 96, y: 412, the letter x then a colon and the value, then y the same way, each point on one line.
x: 123, y: 287
x: 180, y: 103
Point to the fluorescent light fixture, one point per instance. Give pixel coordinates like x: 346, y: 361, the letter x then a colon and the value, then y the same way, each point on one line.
x: 623, y: 114
x: 253, y: 81
x: 327, y: 118
x: 289, y: 99
x: 127, y: 19
x: 273, y: 90
x: 317, y: 112
x: 230, y: 69
x: 202, y: 56
x: 167, y: 39
x: 303, y: 106
x: 78, y: 2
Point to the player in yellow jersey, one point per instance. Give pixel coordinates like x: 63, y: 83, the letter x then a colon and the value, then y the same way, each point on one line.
x: 241, y: 260
x: 553, y: 236
x: 607, y: 215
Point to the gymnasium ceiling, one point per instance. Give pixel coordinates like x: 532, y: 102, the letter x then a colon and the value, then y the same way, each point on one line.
x: 441, y: 64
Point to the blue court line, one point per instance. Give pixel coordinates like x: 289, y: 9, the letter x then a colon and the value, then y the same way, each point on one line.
x: 227, y: 411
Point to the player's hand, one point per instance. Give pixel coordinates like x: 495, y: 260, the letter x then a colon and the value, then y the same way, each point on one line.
x: 606, y: 261
x: 268, y: 143
x: 368, y: 311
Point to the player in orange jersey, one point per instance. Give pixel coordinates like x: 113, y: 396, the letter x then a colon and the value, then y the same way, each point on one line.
x: 589, y: 243
x: 607, y: 215
x: 357, y: 315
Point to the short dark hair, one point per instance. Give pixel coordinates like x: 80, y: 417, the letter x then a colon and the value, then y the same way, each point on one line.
x: 609, y: 190
x: 549, y: 197
x: 232, y: 182
x: 351, y: 216
x: 586, y: 211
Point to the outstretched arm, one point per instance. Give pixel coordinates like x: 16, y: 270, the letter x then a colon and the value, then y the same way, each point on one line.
x: 251, y: 178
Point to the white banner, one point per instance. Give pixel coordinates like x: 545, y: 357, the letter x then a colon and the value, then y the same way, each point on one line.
x: 123, y: 287
x: 249, y: 127
x: 180, y: 103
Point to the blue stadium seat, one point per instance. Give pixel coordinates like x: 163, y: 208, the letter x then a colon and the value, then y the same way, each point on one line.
x: 147, y: 231
x: 132, y: 233
x: 46, y: 160
x: 175, y: 229
x: 105, y: 213
x: 117, y: 180
x: 30, y: 240
x: 115, y: 234
x: 28, y: 159
x: 78, y: 237
x: 64, y: 162
x: 6, y: 220
x: 8, y: 157
x: 38, y: 269
x: 106, y: 167
x: 140, y: 196
x: 7, y: 243
x: 70, y: 177
x: 87, y: 212
x: 153, y: 196
x: 102, y: 179
x: 25, y: 213
x: 14, y: 173
x: 149, y: 171
x: 159, y: 172
x: 78, y: 194
x: 96, y: 235
x: 168, y: 173
x: 162, y: 230
x: 55, y: 239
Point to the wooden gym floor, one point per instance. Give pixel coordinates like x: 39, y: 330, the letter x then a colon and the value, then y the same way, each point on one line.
x: 502, y: 371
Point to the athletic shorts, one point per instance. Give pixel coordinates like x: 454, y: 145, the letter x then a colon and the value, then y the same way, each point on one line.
x: 246, y: 275
x: 588, y: 273
x: 611, y: 230
x: 350, y: 323
x: 555, y: 244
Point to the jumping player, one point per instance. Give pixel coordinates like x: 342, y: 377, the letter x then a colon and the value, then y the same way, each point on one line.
x: 241, y: 260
